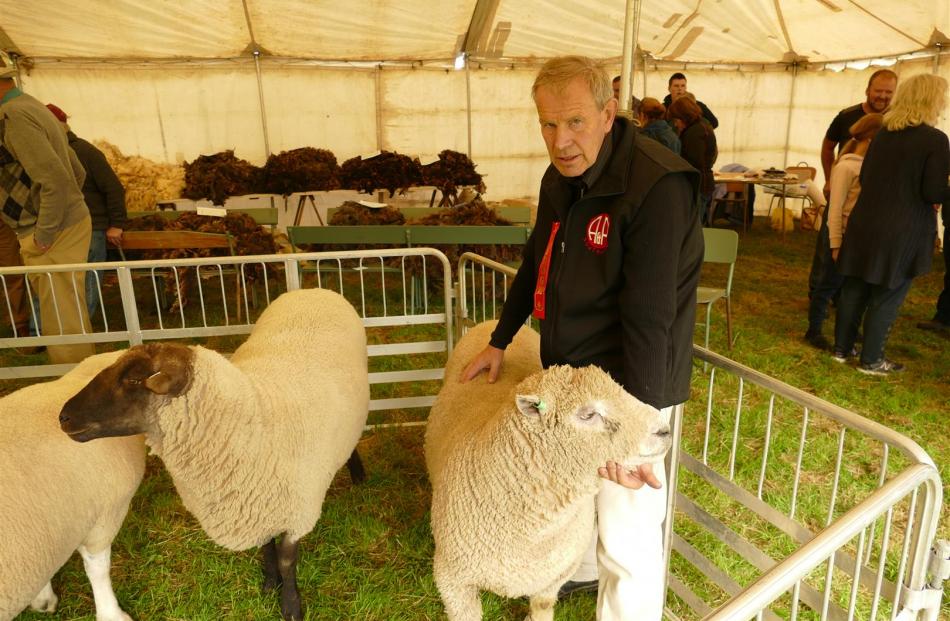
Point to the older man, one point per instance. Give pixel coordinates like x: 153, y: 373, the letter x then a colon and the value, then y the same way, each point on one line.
x: 40, y: 181
x: 611, y: 270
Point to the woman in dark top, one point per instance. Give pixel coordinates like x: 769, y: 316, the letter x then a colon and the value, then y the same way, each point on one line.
x: 698, y: 142
x: 891, y: 230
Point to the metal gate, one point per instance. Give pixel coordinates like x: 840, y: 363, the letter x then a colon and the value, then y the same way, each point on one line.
x: 399, y: 293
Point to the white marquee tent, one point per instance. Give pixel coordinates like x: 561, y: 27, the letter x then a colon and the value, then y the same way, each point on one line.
x: 172, y: 79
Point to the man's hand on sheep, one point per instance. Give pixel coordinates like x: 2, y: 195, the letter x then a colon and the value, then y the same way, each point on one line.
x: 633, y: 479
x: 489, y: 358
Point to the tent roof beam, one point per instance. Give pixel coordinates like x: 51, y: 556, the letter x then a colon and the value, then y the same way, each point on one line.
x: 479, y: 29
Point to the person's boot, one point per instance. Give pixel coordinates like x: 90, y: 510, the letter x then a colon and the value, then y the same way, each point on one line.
x: 816, y: 339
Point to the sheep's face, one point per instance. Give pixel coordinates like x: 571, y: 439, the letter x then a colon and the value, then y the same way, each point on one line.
x: 118, y: 401
x: 592, y: 417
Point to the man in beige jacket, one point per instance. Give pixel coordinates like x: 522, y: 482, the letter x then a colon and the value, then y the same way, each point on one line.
x: 40, y: 198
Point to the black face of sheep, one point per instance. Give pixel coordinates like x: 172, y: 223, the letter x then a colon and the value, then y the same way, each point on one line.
x: 113, y: 403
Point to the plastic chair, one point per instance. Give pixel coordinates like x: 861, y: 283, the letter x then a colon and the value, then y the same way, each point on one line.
x: 737, y: 194
x: 722, y: 246
x: 804, y: 172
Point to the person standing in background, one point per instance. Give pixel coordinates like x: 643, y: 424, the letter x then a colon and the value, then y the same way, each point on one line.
x: 653, y: 124
x: 845, y: 188
x: 40, y: 180
x: 879, y: 92
x: 698, y: 142
x: 105, y: 198
x: 891, y: 231
x: 677, y: 87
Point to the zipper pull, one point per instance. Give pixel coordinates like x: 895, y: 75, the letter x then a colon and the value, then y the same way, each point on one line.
x: 562, y: 247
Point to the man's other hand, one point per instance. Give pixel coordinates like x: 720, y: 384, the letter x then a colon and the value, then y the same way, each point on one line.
x: 489, y: 358
x: 632, y: 479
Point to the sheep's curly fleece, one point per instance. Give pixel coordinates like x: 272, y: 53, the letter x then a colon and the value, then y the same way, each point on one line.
x: 255, y: 442
x: 512, y: 495
x: 58, y: 494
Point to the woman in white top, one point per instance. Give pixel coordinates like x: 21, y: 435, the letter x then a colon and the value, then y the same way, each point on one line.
x: 845, y: 184
x: 824, y: 281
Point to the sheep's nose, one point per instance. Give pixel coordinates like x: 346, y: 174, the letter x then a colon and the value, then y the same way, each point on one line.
x: 63, y: 418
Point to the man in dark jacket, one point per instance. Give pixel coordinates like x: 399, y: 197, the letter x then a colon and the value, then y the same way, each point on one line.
x: 105, y: 198
x: 611, y: 271
x: 677, y: 88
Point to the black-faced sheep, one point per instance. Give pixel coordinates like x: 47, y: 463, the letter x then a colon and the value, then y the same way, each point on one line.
x: 513, y: 467
x: 253, y: 443
x: 59, y: 496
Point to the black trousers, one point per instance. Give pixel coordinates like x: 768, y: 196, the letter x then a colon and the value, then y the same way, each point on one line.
x: 824, y: 281
x: 877, y: 305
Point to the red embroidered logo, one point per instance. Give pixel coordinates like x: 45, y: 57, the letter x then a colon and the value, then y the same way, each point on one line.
x: 597, y: 229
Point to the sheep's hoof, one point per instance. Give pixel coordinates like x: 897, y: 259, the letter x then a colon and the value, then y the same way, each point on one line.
x: 291, y: 610
x: 271, y: 583
x: 45, y: 600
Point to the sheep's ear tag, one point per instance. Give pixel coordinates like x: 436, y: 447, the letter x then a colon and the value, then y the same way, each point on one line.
x: 531, y: 405
x: 160, y: 383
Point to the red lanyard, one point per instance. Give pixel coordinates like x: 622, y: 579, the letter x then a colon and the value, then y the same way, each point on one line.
x: 541, y: 287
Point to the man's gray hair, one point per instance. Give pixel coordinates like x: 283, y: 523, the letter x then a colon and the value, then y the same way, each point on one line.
x: 558, y: 72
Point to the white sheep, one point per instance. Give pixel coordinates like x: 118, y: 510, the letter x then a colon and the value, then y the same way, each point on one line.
x: 513, y: 467
x: 59, y: 496
x: 253, y: 443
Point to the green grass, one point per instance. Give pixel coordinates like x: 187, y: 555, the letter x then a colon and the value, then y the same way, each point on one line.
x: 370, y: 555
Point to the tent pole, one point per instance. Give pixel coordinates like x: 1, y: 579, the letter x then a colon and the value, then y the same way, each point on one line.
x: 378, y: 84
x: 630, y: 22
x: 788, y: 121
x: 260, y: 96
x: 468, y: 103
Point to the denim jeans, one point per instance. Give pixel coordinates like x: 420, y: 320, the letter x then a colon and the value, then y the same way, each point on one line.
x: 878, y: 305
x: 824, y: 281
x: 97, y: 254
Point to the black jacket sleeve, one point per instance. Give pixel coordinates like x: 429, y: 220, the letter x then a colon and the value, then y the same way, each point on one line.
x: 520, y: 299
x: 653, y: 243
x: 97, y: 167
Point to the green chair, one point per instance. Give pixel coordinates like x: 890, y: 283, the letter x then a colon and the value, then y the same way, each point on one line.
x: 722, y: 246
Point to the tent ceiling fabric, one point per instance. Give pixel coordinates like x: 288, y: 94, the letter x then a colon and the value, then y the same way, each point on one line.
x: 726, y: 31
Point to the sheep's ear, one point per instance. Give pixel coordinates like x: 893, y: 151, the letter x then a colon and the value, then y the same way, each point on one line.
x: 174, y: 367
x: 159, y: 383
x: 530, y: 405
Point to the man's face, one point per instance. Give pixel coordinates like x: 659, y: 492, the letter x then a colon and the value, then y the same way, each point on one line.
x: 880, y: 92
x: 572, y: 126
x: 617, y: 90
x: 677, y: 88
